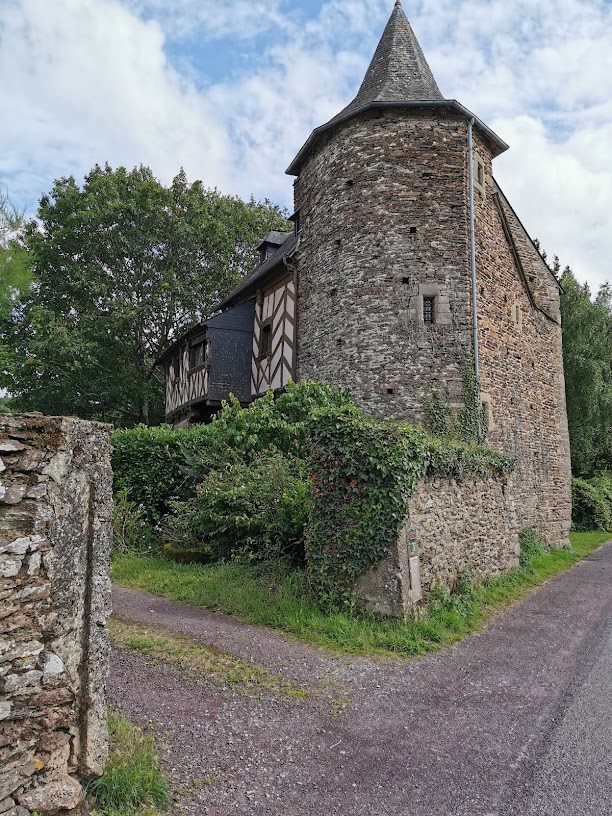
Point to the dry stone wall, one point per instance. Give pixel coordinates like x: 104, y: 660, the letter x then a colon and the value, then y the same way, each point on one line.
x: 55, y: 538
x: 453, y: 527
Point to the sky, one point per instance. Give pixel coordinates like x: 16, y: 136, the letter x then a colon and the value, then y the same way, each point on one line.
x: 230, y: 90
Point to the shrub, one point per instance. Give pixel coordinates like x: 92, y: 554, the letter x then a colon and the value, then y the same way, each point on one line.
x: 132, y: 531
x: 256, y: 509
x: 149, y: 465
x: 157, y: 466
x: 592, y: 508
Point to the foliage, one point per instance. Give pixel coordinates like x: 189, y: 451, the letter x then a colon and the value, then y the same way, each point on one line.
x: 363, y: 474
x: 592, y: 503
x: 530, y: 547
x: 122, y: 266
x: 468, y: 423
x: 264, y: 594
x: 150, y: 465
x: 256, y: 509
x: 471, y: 426
x: 438, y: 416
x: 15, y: 276
x: 133, y: 784
x: 131, y: 529
x: 587, y: 357
x: 242, y: 484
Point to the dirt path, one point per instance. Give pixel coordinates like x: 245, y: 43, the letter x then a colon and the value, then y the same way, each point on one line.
x: 452, y: 734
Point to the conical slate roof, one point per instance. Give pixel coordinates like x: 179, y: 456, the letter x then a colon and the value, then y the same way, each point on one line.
x: 399, y: 71
x: 398, y: 77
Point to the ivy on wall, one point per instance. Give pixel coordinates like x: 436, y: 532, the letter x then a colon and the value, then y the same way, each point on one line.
x: 363, y: 474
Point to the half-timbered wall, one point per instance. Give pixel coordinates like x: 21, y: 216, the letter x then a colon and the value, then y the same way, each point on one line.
x: 183, y: 387
x: 275, y: 316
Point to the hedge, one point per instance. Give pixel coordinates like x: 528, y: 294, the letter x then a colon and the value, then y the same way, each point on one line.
x: 592, y: 503
x: 150, y: 466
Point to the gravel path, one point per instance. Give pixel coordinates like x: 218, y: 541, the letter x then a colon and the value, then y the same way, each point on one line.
x: 471, y: 730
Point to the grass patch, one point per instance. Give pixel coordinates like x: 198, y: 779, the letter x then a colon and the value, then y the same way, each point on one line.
x: 133, y: 784
x: 199, y: 660
x: 274, y: 599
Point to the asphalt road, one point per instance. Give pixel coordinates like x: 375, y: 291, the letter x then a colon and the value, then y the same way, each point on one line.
x: 574, y: 775
x: 513, y: 721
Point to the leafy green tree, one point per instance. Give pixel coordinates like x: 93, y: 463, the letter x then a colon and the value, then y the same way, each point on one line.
x: 15, y: 274
x: 587, y: 356
x: 122, y: 266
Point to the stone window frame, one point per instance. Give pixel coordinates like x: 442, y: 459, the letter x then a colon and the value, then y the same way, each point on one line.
x: 516, y: 315
x: 479, y: 169
x: 486, y: 403
x: 431, y: 290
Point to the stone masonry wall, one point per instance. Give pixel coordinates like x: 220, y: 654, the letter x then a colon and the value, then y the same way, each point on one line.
x: 521, y: 365
x: 383, y: 213
x: 55, y: 537
x: 452, y: 527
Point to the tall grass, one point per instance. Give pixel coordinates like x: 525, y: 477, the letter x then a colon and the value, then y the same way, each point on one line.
x: 133, y: 784
x: 274, y: 599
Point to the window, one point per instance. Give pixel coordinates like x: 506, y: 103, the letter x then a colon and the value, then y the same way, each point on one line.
x: 487, y: 411
x: 175, y: 366
x: 517, y: 316
x: 479, y: 174
x: 196, y: 355
x: 429, y: 311
x: 265, y: 340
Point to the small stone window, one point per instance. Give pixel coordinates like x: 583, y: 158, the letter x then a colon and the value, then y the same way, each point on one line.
x: 429, y: 310
x: 517, y: 316
x: 479, y: 174
x: 487, y: 410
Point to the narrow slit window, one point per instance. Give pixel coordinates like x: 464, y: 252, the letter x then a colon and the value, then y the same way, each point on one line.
x: 265, y: 345
x: 176, y: 365
x: 429, y: 304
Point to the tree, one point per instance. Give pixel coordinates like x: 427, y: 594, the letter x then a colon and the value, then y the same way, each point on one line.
x: 587, y: 357
x: 15, y: 274
x: 122, y: 266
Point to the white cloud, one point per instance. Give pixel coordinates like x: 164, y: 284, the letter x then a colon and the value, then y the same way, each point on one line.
x: 88, y: 81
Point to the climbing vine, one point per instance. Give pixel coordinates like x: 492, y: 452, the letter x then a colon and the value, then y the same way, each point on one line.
x: 363, y: 474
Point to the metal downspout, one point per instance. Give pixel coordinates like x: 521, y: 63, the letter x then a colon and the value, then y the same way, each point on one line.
x: 473, y: 247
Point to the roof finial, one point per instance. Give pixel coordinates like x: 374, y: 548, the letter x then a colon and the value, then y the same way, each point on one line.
x: 398, y: 2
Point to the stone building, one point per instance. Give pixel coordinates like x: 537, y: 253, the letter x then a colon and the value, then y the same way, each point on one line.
x: 407, y: 267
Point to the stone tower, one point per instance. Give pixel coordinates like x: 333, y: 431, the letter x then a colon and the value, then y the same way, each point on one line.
x: 402, y: 231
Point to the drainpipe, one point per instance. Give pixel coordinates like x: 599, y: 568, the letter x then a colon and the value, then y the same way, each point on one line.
x: 473, y: 247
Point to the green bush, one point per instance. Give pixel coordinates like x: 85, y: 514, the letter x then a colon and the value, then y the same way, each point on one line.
x: 257, y: 510
x: 149, y: 465
x: 132, y: 532
x: 156, y: 466
x: 592, y: 502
